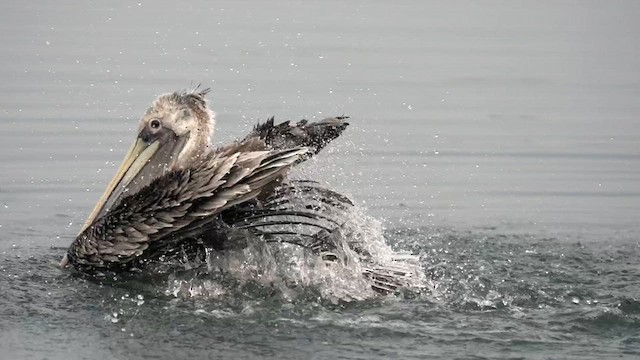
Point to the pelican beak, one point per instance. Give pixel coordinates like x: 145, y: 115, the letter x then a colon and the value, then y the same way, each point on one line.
x: 147, y: 159
x: 136, y: 158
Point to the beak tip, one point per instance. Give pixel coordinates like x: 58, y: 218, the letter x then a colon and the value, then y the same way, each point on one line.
x: 65, y: 262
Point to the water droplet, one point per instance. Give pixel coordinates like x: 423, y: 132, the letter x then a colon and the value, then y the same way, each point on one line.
x: 113, y: 317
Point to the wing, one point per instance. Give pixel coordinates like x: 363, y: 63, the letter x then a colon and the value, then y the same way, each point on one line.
x: 305, y: 214
x: 298, y: 212
x: 178, y: 203
x: 314, y: 136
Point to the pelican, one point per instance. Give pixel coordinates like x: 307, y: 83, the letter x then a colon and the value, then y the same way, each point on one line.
x: 176, y: 190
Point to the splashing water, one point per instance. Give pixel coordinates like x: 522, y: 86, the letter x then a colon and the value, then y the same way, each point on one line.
x: 364, y: 262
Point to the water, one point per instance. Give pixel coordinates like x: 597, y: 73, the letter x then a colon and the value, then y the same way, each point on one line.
x: 496, y: 140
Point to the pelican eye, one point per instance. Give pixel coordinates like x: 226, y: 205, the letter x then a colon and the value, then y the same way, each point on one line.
x: 154, y: 124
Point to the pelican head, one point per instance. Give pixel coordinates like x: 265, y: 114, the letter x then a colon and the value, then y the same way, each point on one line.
x: 174, y: 132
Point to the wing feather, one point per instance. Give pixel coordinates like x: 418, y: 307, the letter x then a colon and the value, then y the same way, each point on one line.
x: 178, y: 203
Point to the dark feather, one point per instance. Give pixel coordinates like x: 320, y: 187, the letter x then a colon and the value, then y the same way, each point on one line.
x: 315, y: 135
x: 176, y: 206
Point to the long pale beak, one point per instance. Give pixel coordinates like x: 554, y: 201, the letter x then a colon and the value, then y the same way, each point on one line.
x: 140, y: 156
x: 136, y: 158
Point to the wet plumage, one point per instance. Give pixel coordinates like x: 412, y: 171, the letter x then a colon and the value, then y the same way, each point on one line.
x: 177, y: 194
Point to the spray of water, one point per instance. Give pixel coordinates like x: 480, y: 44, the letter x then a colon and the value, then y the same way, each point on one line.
x: 362, y: 266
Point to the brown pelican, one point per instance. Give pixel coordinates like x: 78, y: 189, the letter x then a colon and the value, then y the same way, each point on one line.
x: 176, y: 190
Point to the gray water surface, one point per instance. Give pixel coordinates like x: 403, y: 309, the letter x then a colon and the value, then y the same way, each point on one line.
x: 498, y: 140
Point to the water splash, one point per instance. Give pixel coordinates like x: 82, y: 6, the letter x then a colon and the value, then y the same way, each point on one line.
x: 364, y: 266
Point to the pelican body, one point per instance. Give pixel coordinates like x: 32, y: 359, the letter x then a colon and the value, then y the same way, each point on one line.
x: 175, y: 189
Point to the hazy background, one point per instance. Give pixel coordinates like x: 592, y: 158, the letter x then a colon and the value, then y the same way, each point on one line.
x: 494, y: 113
